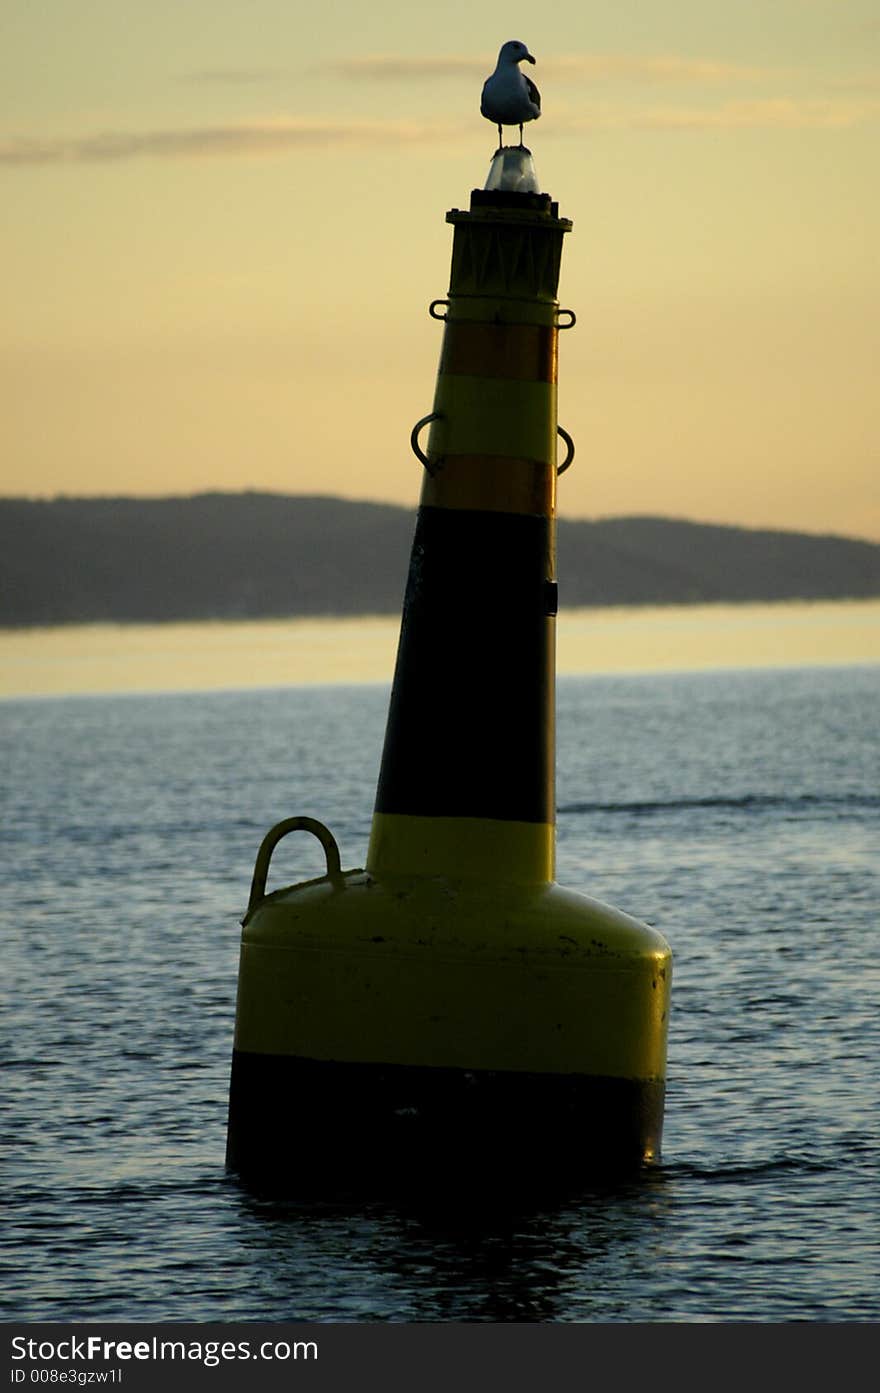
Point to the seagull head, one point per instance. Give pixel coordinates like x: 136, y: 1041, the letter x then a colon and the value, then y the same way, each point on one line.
x: 514, y: 52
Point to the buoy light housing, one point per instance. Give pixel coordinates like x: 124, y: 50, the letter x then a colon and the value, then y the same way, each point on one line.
x: 512, y: 171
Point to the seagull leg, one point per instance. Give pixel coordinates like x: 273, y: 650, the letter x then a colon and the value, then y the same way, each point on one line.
x: 500, y: 137
x: 520, y: 136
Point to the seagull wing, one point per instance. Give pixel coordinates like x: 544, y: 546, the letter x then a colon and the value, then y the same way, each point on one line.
x: 534, y: 94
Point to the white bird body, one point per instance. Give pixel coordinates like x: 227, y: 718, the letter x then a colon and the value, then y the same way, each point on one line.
x: 509, y: 97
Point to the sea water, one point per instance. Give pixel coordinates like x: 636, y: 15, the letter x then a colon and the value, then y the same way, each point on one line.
x: 736, y: 811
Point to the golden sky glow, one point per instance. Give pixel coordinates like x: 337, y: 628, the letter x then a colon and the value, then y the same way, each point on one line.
x: 223, y: 223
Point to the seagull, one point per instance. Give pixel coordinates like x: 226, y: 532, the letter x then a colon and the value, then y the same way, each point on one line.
x: 509, y: 97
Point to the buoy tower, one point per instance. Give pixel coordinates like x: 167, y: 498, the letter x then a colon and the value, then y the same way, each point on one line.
x: 449, y: 1010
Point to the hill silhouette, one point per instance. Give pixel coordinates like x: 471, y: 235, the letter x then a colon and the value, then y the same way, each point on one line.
x: 261, y: 555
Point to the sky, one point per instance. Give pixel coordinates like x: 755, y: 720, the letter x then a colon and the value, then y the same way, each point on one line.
x: 223, y: 222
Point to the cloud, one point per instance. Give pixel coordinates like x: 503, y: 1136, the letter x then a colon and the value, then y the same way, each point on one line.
x: 656, y: 68
x: 236, y: 77
x: 381, y: 67
x: 246, y: 139
x: 285, y: 134
x: 667, y: 68
x: 856, y: 82
x: 769, y: 113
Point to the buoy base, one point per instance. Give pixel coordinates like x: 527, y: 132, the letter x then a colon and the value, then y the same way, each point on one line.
x: 298, y: 1126
x: 399, y: 1027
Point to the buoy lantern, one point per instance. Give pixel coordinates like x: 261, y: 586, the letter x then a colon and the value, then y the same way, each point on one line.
x: 449, y: 1009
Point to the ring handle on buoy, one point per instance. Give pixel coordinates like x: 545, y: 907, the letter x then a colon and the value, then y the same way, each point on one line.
x: 569, y: 447
x: 414, y: 440
x: 271, y: 840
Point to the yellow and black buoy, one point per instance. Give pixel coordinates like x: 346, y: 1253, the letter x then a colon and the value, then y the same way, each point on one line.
x: 450, y: 1007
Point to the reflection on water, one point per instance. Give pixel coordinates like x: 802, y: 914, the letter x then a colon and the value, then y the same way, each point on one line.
x: 456, y: 1261
x: 215, y: 656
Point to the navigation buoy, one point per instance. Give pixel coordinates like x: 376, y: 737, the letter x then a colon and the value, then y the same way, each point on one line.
x: 449, y: 1008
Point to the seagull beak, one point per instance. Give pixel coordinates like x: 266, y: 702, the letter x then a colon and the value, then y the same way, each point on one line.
x: 529, y: 58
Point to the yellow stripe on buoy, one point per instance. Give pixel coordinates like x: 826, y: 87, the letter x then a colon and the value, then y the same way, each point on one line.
x: 471, y: 847
x: 408, y: 971
x: 494, y: 416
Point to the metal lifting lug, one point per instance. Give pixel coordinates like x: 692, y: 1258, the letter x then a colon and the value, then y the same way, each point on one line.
x: 334, y: 871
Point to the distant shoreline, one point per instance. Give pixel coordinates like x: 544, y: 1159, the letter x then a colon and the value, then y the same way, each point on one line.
x: 250, y: 556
